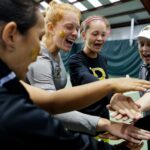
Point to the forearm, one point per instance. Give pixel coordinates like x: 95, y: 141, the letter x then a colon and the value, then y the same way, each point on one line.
x: 86, y: 77
x: 70, y: 99
x: 144, y: 102
x: 103, y: 124
x: 78, y: 97
x: 80, y: 122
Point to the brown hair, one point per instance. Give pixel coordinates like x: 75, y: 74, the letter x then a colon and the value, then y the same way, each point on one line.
x: 86, y: 23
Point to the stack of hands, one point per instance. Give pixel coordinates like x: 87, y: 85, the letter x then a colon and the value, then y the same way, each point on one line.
x: 124, y: 108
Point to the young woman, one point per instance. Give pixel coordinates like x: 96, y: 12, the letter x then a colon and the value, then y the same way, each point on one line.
x: 90, y: 65
x: 62, y: 24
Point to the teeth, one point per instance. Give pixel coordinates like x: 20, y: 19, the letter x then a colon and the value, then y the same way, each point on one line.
x: 146, y: 54
x: 71, y: 40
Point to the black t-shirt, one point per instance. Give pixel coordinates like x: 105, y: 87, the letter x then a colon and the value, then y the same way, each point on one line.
x: 85, y: 70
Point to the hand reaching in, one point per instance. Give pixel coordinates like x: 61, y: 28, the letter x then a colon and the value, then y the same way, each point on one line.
x: 123, y: 107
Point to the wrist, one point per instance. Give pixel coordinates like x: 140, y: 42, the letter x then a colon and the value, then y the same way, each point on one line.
x: 103, y: 124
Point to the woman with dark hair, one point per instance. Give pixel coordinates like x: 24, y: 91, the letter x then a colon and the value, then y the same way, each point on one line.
x: 89, y: 65
x: 24, y: 125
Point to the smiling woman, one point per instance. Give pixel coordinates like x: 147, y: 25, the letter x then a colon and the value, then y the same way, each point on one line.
x: 90, y: 65
x: 62, y: 24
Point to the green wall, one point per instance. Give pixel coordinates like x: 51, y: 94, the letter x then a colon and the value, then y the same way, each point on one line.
x: 122, y: 58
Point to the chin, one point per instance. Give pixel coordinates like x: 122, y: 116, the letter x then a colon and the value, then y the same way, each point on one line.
x: 22, y: 77
x: 66, y: 49
x: 96, y: 50
x: 147, y: 62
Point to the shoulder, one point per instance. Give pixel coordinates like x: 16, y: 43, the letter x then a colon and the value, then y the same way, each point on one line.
x: 76, y: 57
x: 102, y: 58
x: 40, y: 63
x: 17, y: 105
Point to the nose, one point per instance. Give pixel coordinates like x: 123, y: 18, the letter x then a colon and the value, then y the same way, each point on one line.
x: 99, y: 38
x: 75, y: 32
x: 145, y: 47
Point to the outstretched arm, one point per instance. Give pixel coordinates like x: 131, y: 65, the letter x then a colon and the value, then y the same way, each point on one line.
x: 123, y: 130
x: 78, y: 97
x: 144, y: 102
x: 80, y: 122
x: 124, y: 107
x: 77, y: 121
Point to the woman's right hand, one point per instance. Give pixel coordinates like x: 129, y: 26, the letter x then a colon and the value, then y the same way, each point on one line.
x: 123, y: 130
x: 123, y: 107
x: 129, y: 84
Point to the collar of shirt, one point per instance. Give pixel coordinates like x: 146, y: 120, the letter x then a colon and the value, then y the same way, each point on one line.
x: 9, y: 80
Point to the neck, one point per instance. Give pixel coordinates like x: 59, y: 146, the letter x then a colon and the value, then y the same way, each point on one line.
x: 89, y: 53
x: 51, y: 46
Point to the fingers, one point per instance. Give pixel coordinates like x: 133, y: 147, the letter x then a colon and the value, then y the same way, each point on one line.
x: 119, y: 117
x: 134, y: 140
x: 142, y: 85
x: 135, y: 135
x: 131, y: 110
x: 137, y: 85
x: 142, y: 134
x: 126, y: 113
x: 139, y: 88
x: 131, y: 84
x: 125, y: 106
x: 125, y: 118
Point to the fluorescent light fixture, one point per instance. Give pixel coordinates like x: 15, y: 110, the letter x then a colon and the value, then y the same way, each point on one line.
x: 44, y: 4
x: 112, y: 1
x: 58, y: 1
x: 72, y: 1
x: 80, y: 6
x: 95, y: 3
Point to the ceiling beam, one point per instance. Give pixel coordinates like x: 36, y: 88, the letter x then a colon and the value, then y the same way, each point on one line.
x: 126, y: 13
x: 126, y: 24
x: 146, y: 4
x: 105, y: 6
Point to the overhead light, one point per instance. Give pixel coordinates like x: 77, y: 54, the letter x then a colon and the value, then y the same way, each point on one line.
x: 95, y: 3
x: 72, y: 1
x: 113, y: 1
x: 58, y: 1
x: 44, y: 5
x: 80, y: 6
